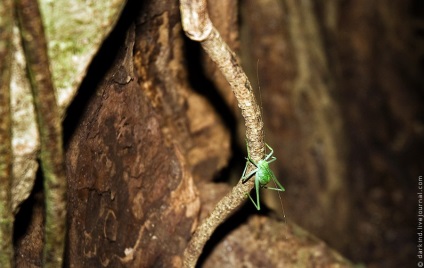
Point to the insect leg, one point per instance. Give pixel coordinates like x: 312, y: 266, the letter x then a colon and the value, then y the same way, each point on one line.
x: 270, y: 154
x: 258, y: 204
x: 245, y: 178
x: 275, y: 189
x: 272, y: 159
x: 248, y: 156
x: 245, y: 167
x: 280, y: 189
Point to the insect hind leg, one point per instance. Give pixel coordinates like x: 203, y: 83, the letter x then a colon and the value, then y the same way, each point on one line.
x: 257, y: 204
x: 280, y: 187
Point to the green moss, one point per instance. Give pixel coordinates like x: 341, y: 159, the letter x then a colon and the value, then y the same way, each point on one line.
x: 75, y: 30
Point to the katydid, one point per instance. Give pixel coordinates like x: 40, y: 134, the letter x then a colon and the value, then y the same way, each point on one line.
x: 263, y: 174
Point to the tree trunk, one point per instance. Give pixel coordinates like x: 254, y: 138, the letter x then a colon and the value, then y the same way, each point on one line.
x: 154, y: 123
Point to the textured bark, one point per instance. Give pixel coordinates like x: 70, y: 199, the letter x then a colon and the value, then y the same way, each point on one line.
x: 272, y: 244
x: 130, y: 161
x: 229, y: 30
x: 49, y: 127
x: 29, y: 230
x: 193, y: 123
x: 126, y: 178
x: 6, y: 211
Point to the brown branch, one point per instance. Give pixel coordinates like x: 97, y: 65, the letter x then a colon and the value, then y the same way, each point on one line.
x: 6, y: 214
x: 50, y: 129
x: 198, y: 27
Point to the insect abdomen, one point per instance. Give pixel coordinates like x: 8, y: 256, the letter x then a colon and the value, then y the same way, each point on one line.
x: 264, y: 173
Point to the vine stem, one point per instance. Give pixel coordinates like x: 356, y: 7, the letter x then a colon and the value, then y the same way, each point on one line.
x: 198, y: 27
x: 6, y: 214
x: 49, y: 127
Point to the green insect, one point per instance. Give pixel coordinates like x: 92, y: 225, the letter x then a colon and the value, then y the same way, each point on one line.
x: 263, y: 173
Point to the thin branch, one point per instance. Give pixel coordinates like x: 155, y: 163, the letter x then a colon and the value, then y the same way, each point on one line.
x: 50, y: 129
x: 198, y: 27
x: 6, y: 215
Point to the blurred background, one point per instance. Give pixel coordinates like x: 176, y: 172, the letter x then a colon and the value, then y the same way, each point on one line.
x: 342, y: 88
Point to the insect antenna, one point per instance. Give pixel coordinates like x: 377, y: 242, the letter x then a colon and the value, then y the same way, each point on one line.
x: 282, y: 206
x: 262, y: 111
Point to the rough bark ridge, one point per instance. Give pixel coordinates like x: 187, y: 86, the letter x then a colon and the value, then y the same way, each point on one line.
x: 132, y: 198
x: 124, y: 175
